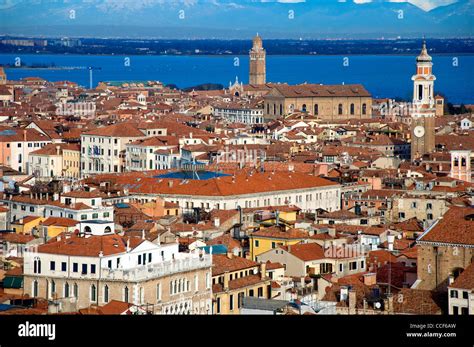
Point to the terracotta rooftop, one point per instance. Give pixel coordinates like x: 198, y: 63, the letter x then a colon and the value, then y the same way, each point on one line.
x: 456, y: 227
x: 222, y: 263
x: 88, y: 246
x: 465, y: 279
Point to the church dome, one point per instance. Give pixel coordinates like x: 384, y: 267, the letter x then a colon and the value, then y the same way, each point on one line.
x: 424, y: 56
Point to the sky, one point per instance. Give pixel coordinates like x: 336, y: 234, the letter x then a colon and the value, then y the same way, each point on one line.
x: 235, y: 18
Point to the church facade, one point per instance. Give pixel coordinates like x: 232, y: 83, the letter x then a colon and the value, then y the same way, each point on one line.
x: 327, y: 102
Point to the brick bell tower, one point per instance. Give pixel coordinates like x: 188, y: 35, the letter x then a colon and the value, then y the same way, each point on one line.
x: 424, y: 109
x: 257, y: 62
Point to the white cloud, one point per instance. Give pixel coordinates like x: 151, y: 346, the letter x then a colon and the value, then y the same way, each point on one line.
x: 427, y: 5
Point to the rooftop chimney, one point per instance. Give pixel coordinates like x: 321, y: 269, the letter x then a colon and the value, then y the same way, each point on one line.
x: 263, y: 270
x: 352, y: 299
x: 226, y: 280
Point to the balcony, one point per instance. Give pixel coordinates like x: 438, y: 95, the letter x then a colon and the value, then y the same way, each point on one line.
x: 166, y: 268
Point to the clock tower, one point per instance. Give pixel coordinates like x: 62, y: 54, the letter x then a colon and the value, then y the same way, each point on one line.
x: 424, y: 109
x: 257, y: 62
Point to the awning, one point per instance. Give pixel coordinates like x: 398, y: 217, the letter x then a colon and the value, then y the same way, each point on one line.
x: 13, y: 282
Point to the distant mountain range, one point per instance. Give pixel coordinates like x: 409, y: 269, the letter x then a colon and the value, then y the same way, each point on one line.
x: 234, y: 19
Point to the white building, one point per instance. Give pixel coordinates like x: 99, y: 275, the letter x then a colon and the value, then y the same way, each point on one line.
x: 93, y: 268
x: 103, y: 149
x: 461, y: 293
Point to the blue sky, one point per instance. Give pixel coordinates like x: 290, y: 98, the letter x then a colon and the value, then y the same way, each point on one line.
x: 238, y: 18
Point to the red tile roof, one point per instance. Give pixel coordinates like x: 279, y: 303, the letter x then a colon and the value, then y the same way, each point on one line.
x: 465, y: 279
x: 222, y: 263
x: 456, y: 227
x: 88, y: 246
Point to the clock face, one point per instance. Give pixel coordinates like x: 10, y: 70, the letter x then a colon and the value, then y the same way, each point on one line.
x: 419, y: 131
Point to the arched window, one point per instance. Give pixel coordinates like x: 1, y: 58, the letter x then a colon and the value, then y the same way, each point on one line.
x: 316, y: 109
x: 106, y: 293
x: 274, y: 108
x: 303, y: 108
x: 420, y: 92
x: 93, y: 293
x: 107, y: 230
x: 66, y: 290
x: 125, y: 294
x: 268, y: 108
x: 352, y: 109
x: 35, y: 288
x: 281, y: 109
x: 76, y: 290
x: 88, y: 229
x: 53, y: 288
x: 37, y: 266
x: 364, y: 108
x: 339, y: 109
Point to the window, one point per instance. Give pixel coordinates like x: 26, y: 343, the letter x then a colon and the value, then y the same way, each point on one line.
x: 53, y: 287
x: 352, y: 109
x: 75, y: 267
x: 260, y: 292
x: 341, y: 267
x: 256, y: 243
x: 140, y: 259
x: 37, y: 266
x: 158, y: 292
x: 339, y: 109
x: 35, y: 288
x: 95, y: 215
x: 231, y: 302
x: 316, y: 109
x: 63, y: 266
x: 352, y: 265
x: 218, y: 305
x: 364, y: 109
x: 93, y: 293
x: 106, y: 214
x: 240, y: 298
x: 66, y: 290
x: 106, y: 293
x: 84, y: 269
x: 92, y: 268
x: 83, y: 216
x: 125, y: 294
x: 76, y: 290
x: 465, y: 295
x: 52, y: 265
x: 273, y: 245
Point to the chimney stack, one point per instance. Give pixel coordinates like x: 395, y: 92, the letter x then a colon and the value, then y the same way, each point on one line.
x: 352, y: 300
x: 263, y: 270
x: 226, y: 280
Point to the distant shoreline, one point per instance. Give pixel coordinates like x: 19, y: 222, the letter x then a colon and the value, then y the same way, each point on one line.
x: 222, y: 55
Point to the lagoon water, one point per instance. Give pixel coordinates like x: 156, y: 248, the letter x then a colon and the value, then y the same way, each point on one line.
x: 382, y: 75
